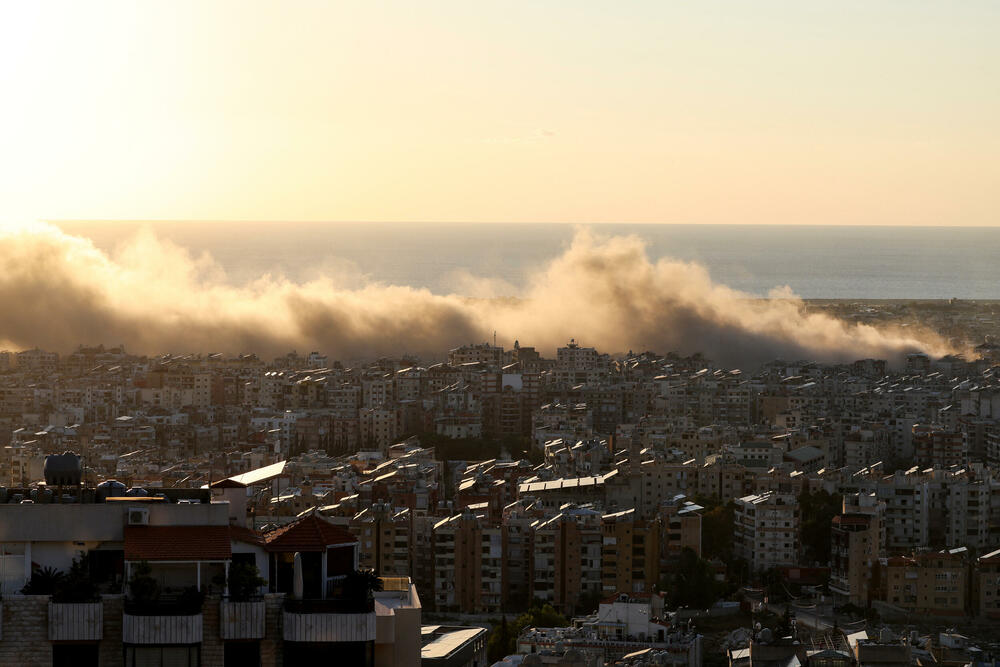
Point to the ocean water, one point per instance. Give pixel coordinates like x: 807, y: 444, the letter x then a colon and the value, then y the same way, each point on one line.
x: 816, y: 262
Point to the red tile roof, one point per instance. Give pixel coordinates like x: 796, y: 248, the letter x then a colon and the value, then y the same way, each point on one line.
x: 310, y: 533
x: 177, y: 543
x: 245, y: 535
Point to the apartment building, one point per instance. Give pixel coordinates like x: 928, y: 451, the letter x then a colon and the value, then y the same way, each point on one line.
x: 718, y: 479
x: 645, y: 486
x: 37, y: 361
x: 567, y: 558
x: 938, y: 447
x: 518, y: 548
x: 969, y: 515
x: 766, y: 529
x: 856, y: 543
x: 468, y: 564
x: 569, y: 422
x: 987, y: 585
x: 630, y: 553
x: 379, y: 427
x: 383, y: 533
x: 929, y: 583
x: 626, y: 625
x: 680, y: 521
x: 159, y: 568
x: 864, y: 446
x: 490, y: 356
x: 907, y: 510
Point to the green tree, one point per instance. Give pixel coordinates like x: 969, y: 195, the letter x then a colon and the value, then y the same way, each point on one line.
x: 360, y: 584
x: 692, y: 583
x: 143, y: 589
x: 44, y: 581
x: 460, y: 449
x: 538, y: 616
x: 77, y: 585
x: 717, y: 531
x: 244, y: 581
x: 816, y: 512
x: 500, y: 641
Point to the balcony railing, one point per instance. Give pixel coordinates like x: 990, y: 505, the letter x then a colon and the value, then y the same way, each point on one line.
x: 164, y: 621
x: 76, y: 621
x: 241, y: 619
x: 330, y: 620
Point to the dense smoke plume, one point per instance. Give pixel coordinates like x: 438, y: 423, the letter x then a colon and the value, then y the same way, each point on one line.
x: 57, y: 291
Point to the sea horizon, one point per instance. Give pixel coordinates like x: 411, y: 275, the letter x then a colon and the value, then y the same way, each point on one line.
x: 499, y: 259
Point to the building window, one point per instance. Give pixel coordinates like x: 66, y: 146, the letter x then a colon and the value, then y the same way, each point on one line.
x: 242, y: 654
x: 162, y: 656
x: 74, y: 655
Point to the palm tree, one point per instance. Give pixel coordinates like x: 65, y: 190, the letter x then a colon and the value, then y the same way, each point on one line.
x: 360, y: 584
x: 44, y: 581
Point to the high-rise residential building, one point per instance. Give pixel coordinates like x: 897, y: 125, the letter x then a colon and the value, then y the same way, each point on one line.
x: 986, y: 584
x: 766, y: 530
x: 907, y: 510
x: 928, y: 583
x: 680, y: 522
x: 489, y: 355
x: 855, y: 546
x: 630, y: 554
x: 468, y: 564
x: 567, y: 558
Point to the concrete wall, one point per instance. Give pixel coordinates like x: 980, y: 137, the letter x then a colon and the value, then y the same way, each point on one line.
x: 111, y: 653
x: 52, y: 523
x: 212, y: 646
x: 26, y: 632
x: 98, y: 522
x: 25, y: 640
x: 270, y: 646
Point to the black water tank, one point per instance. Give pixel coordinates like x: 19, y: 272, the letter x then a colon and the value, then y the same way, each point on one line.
x: 41, y: 495
x: 111, y: 488
x: 63, y: 469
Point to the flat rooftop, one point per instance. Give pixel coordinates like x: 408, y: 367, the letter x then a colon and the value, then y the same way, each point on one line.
x: 441, y: 641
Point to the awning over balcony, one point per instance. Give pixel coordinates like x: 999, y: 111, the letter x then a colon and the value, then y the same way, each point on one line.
x: 177, y: 543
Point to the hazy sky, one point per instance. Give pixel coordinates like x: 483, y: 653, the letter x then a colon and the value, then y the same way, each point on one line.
x: 763, y: 111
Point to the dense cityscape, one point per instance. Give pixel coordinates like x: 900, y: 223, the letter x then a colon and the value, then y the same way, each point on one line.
x: 500, y: 507
x: 499, y: 334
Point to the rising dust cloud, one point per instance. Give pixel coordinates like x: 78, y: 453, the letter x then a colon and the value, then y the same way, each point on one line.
x: 58, y: 290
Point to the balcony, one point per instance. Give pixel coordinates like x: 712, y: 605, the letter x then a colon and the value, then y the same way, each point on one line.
x: 330, y: 620
x: 162, y: 622
x: 76, y: 621
x: 241, y: 620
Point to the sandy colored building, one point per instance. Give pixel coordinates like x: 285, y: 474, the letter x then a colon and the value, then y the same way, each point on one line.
x: 929, y: 583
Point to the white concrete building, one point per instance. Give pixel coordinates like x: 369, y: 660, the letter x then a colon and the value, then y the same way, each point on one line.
x: 766, y: 529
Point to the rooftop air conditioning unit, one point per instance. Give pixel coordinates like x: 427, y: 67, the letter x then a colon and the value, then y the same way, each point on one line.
x: 138, y: 516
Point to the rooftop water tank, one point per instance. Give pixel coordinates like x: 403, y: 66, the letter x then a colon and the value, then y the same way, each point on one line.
x: 63, y: 469
x: 111, y: 488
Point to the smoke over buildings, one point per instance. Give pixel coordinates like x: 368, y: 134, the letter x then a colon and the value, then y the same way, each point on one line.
x: 58, y: 290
